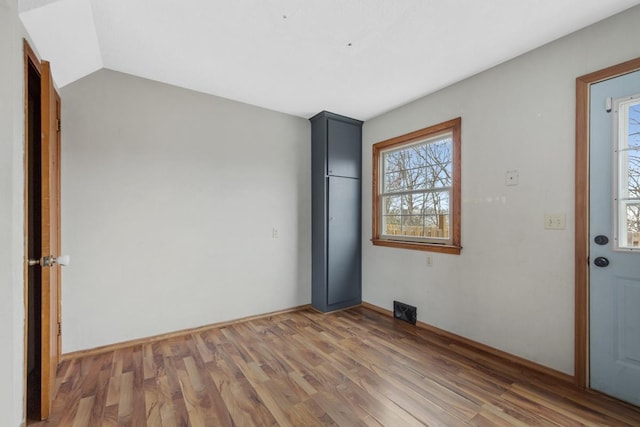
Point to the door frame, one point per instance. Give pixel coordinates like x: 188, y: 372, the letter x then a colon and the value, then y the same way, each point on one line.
x: 583, y: 85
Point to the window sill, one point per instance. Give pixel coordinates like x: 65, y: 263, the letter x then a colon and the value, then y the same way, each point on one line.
x: 429, y: 247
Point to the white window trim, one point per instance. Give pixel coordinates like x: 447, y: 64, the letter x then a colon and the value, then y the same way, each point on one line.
x: 620, y: 128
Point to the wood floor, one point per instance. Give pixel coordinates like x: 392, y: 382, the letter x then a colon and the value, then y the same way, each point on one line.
x: 351, y: 368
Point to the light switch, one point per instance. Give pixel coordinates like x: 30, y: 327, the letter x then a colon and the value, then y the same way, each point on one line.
x: 511, y: 177
x: 554, y: 221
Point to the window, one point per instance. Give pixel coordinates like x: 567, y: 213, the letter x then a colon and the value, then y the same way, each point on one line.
x: 627, y: 154
x: 416, y: 189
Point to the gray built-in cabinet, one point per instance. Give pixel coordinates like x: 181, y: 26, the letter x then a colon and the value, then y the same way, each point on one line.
x: 336, y: 164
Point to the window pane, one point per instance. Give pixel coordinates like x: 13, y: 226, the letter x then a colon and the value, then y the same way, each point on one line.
x: 407, y: 204
x: 437, y: 202
x: 436, y: 212
x: 633, y: 125
x: 632, y: 159
x: 418, y: 202
x: 391, y: 225
x: 393, y: 182
x: 391, y: 205
x: 633, y: 225
x: 438, y: 158
x: 402, y: 171
x: 421, y: 166
x: 392, y: 162
x: 413, y: 225
x: 417, y: 215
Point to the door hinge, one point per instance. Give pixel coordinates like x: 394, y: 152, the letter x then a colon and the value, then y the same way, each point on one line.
x: 59, y: 329
x: 58, y: 125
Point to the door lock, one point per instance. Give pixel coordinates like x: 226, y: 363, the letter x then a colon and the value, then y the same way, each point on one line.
x: 46, y: 261
x: 601, y: 261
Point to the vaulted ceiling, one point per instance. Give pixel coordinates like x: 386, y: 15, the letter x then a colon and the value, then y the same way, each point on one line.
x: 359, y: 58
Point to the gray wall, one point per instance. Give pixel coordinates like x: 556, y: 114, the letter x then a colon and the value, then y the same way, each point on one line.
x: 513, y: 285
x: 511, y: 288
x: 11, y: 215
x: 170, y: 198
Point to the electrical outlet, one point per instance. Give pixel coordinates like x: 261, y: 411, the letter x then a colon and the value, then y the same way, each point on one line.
x: 274, y: 233
x: 429, y: 261
x: 554, y: 221
x: 511, y: 177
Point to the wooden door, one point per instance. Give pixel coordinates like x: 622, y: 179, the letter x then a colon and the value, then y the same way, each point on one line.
x: 50, y: 206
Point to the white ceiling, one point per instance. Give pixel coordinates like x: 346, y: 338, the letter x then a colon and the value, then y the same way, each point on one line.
x: 359, y: 58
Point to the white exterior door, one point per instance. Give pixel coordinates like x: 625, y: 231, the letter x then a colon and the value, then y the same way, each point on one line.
x: 614, y: 233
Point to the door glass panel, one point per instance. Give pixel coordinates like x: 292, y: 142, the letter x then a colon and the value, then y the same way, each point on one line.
x: 632, y: 225
x: 633, y: 173
x: 633, y: 120
x: 627, y: 150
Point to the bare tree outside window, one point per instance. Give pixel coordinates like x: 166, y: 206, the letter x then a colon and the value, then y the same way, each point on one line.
x: 633, y: 176
x: 417, y: 182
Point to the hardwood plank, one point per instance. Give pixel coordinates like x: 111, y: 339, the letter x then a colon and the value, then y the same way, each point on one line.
x: 151, y: 403
x: 138, y: 416
x: 113, y: 393
x: 84, y: 412
x: 300, y: 415
x: 166, y: 408
x: 125, y: 401
x: 338, y: 410
x: 191, y: 399
x: 110, y: 416
x: 492, y: 416
x: 216, y: 412
x: 353, y: 367
x: 242, y: 401
x: 174, y: 389
x: 100, y: 397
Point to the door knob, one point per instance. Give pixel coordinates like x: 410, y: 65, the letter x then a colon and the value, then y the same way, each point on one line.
x: 601, y: 261
x: 601, y: 240
x: 48, y: 261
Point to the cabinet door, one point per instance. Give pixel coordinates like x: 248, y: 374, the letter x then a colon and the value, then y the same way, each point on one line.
x: 344, y: 151
x: 343, y: 241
